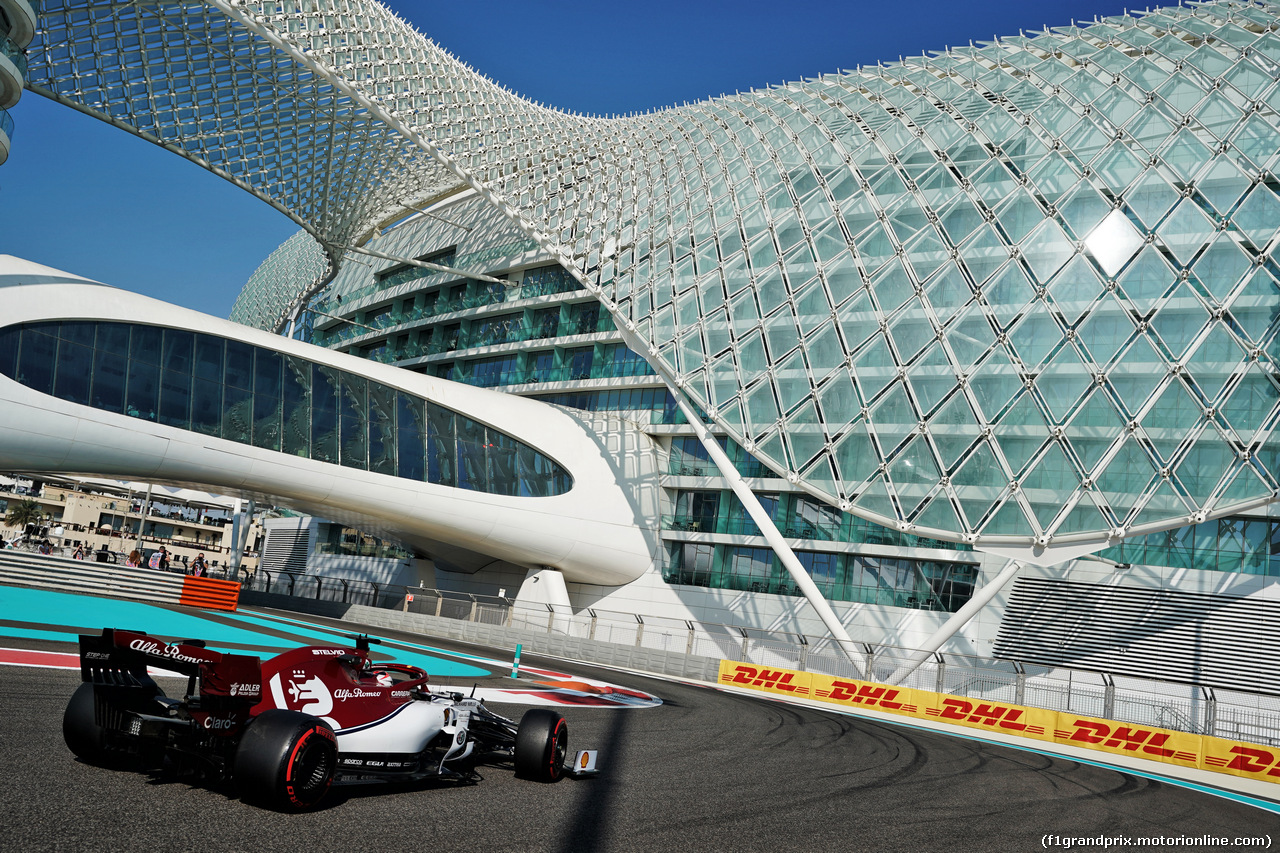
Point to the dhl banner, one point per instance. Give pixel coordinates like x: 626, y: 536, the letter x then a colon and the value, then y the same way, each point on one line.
x: 1183, y: 749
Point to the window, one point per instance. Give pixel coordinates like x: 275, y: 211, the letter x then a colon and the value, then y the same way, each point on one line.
x: 258, y: 396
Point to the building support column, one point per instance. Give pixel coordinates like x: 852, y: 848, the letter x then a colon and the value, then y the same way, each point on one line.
x: 142, y: 519
x: 240, y: 524
x: 957, y: 621
x: 771, y: 534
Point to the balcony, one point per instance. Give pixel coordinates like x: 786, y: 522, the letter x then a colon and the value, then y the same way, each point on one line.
x: 22, y: 20
x: 6, y: 133
x: 13, y: 72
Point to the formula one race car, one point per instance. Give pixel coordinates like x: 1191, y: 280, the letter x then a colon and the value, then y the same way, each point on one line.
x: 283, y: 731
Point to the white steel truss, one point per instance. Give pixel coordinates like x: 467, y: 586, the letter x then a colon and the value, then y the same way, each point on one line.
x: 1020, y: 293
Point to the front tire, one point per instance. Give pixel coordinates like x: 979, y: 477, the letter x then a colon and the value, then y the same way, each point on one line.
x: 286, y: 760
x: 542, y: 742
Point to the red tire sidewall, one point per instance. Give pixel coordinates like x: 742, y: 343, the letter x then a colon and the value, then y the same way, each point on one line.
x: 291, y: 766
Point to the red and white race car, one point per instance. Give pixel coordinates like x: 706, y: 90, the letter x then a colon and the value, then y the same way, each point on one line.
x: 282, y: 731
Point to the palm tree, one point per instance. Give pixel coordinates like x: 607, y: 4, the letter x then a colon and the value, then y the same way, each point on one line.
x: 22, y: 513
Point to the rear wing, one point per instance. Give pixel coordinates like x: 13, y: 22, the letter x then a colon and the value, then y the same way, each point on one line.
x: 120, y: 658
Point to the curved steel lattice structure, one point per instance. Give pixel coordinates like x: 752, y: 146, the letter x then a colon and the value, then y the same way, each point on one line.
x: 1015, y: 293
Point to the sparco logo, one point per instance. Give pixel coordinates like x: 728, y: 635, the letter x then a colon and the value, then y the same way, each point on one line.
x: 163, y: 650
x: 246, y: 689
x: 358, y: 693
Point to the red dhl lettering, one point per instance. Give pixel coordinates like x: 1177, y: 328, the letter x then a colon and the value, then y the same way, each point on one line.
x: 1252, y: 760
x: 865, y: 694
x: 984, y: 714
x: 1123, y: 737
x: 775, y: 678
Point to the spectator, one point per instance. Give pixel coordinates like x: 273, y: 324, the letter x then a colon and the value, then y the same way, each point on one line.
x: 79, y: 554
x: 133, y: 560
x: 198, y: 567
x: 164, y: 558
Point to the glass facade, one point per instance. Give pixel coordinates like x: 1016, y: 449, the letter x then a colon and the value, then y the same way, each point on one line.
x: 1246, y: 545
x: 1019, y: 292
x: 256, y: 396
x: 897, y: 582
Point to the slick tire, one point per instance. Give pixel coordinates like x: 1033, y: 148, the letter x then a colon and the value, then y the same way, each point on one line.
x: 286, y: 760
x: 84, y: 737
x: 542, y: 741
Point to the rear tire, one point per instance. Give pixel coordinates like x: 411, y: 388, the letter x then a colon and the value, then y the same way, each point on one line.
x: 286, y: 760
x: 542, y: 742
x: 81, y: 731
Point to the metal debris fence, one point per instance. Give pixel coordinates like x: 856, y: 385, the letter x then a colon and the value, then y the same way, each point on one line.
x: 1253, y: 717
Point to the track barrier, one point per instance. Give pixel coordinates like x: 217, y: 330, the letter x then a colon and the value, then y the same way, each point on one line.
x: 1181, y: 749
x: 62, y: 574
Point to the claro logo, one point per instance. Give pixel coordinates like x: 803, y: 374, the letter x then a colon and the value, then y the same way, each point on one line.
x: 218, y: 724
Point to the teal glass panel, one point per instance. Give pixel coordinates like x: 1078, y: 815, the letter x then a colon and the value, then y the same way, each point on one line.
x: 145, y: 344
x: 143, y: 395
x: 175, y: 398
x: 353, y: 404
x: 209, y: 353
x: 382, y: 429
x: 206, y: 406
x: 37, y: 357
x: 109, y: 369
x: 239, y: 365
x: 411, y: 437
x: 472, y: 465
x: 441, y: 446
x: 325, y: 388
x: 266, y: 398
x: 75, y: 370
x: 237, y: 414
x: 295, y: 396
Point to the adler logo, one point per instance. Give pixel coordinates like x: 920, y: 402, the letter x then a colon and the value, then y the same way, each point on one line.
x: 246, y: 690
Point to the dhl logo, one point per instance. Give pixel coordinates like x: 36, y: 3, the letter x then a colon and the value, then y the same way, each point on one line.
x: 1248, y: 759
x: 1130, y: 739
x: 866, y: 694
x: 771, y: 679
x: 982, y: 713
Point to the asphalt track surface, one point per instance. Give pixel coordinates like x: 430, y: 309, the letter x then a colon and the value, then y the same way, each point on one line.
x: 706, y: 771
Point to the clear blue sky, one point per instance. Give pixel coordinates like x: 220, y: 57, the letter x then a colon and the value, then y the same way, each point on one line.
x: 88, y: 198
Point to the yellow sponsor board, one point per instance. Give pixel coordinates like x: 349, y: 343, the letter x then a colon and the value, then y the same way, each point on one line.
x: 1172, y: 747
